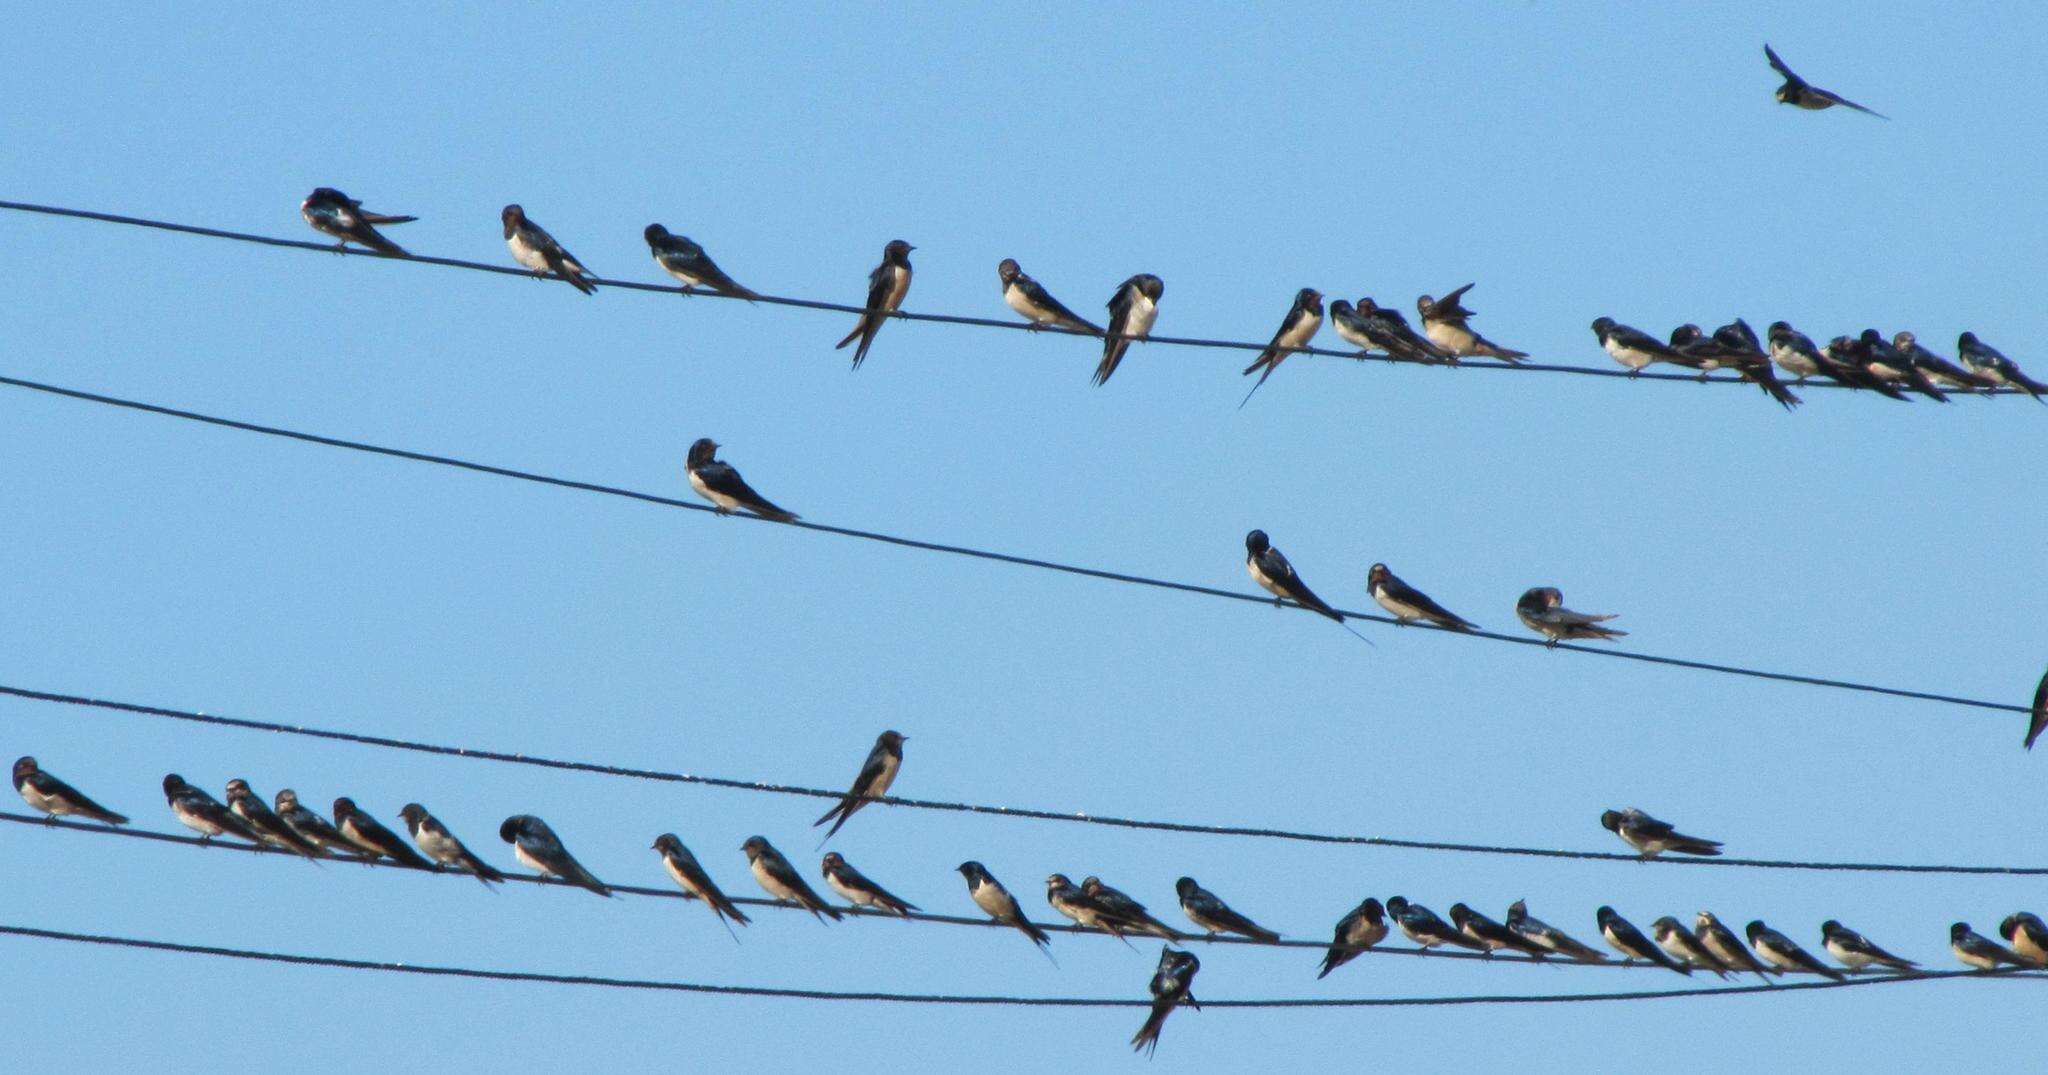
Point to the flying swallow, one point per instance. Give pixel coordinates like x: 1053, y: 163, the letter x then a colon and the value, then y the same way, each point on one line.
x: 1492, y: 935
x: 1684, y: 947
x: 333, y: 213
x: 1362, y: 927
x: 1296, y: 329
x: 1631, y: 347
x: 1651, y: 837
x: 1373, y: 327
x: 1800, y: 93
x: 1119, y: 912
x: 1208, y: 911
x: 1035, y: 304
x: 780, y: 880
x: 1172, y: 986
x: 1067, y: 898
x: 537, y: 846
x: 1409, y: 604
x: 370, y: 836
x: 1542, y: 610
x: 1936, y: 367
x: 1978, y: 951
x: 1780, y: 951
x: 1883, y: 361
x: 1269, y: 568
x: 1424, y: 928
x: 244, y: 804
x: 683, y: 866
x: 1541, y: 933
x: 876, y: 774
x: 1856, y: 951
x: 686, y: 261
x: 1990, y: 363
x: 2038, y: 719
x: 1720, y: 940
x: 1622, y: 936
x: 2027, y: 935
x: 858, y: 889
x: 534, y: 248
x: 203, y: 814
x: 1444, y: 323
x: 437, y: 843
x: 718, y: 482
x: 997, y: 902
x: 56, y: 798
x: 1746, y: 356
x: 1132, y: 310
x: 1836, y: 361
x: 312, y: 826
x: 886, y: 287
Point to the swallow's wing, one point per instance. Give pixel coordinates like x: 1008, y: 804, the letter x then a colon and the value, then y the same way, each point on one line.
x: 1844, y: 101
x: 1778, y: 65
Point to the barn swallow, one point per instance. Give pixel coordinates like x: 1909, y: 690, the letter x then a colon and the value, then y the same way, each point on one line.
x: 1651, y: 837
x: 1782, y: 952
x: 370, y: 836
x: 1883, y: 361
x: 1975, y: 950
x: 2027, y: 935
x: 1990, y: 363
x: 858, y: 889
x: 780, y: 880
x: 886, y: 287
x: 1364, y: 926
x: 1424, y: 928
x: 1296, y: 329
x: 1624, y: 937
x: 876, y: 774
x: 1856, y: 951
x: 997, y: 902
x: 1205, y: 909
x: 1373, y: 327
x: 1172, y: 986
x: 717, y: 481
x: 534, y: 248
x: 1132, y: 310
x: 2038, y: 719
x: 1067, y: 898
x: 1696, y: 350
x: 1544, y: 935
x: 1631, y: 347
x: 1444, y: 323
x: 312, y: 826
x: 437, y: 843
x: 1492, y: 935
x: 1720, y: 940
x: 1684, y: 947
x: 686, y: 261
x: 203, y: 814
x: 1839, y: 362
x: 682, y: 866
x: 333, y: 213
x: 1035, y: 304
x: 244, y: 804
x: 56, y: 798
x: 1119, y: 912
x: 1793, y: 351
x: 1802, y: 94
x: 1747, y: 358
x: 1542, y: 610
x: 1409, y: 604
x: 1936, y: 367
x: 537, y: 846
x: 1269, y: 568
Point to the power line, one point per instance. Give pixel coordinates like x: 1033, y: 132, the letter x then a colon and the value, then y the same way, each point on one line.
x: 837, y: 307
x: 973, y: 553
x: 955, y: 998
x: 999, y: 811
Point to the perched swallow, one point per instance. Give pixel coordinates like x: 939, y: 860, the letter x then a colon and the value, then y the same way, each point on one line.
x: 996, y: 901
x: 1132, y: 310
x: 333, y: 213
x: 1633, y: 348
x: 1120, y: 913
x: 1541, y: 933
x: 312, y: 826
x: 370, y: 836
x: 1035, y: 304
x: 1364, y: 926
x: 1067, y: 898
x: 1424, y: 928
x: 1856, y: 951
x: 1622, y: 936
x: 1747, y: 358
x: 1444, y: 322
x: 1838, y: 361
x: 265, y: 823
x: 1542, y: 610
x: 1409, y: 604
x: 1372, y: 327
x: 1793, y: 351
x: 683, y: 866
x: 1269, y: 568
x: 537, y: 846
x: 1172, y: 986
x: 1492, y: 935
x: 686, y: 261
x: 437, y: 843
x: 56, y: 798
x: 534, y: 248
x: 1684, y: 947
x: 1720, y: 940
x: 886, y: 287
x: 1696, y: 350
x: 2027, y: 935
x: 1936, y: 367
x: 1989, y: 362
x: 1780, y: 951
x: 1883, y: 361
x: 1975, y: 950
x: 876, y: 774
x: 203, y: 814
x: 860, y: 891
x: 1652, y: 837
x: 1296, y: 329
x: 718, y: 482
x: 1803, y: 94
x: 2039, y: 718
x: 780, y: 880
x: 1206, y: 910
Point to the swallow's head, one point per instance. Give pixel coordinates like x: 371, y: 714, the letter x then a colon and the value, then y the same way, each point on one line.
x: 1376, y: 575
x: 1610, y: 820
x: 667, y: 843
x: 1967, y: 341
x: 1685, y: 334
x: 1787, y: 94
x: 1957, y: 931
x: 1397, y: 906
x: 1755, y: 927
x: 896, y: 252
x: 1151, y: 286
x: 286, y: 799
x: 343, y: 807
x: 1870, y: 336
x: 892, y: 740
x: 702, y: 451
x: 1518, y: 910
x: 326, y: 194
x: 238, y: 788
x: 1777, y: 329
x: 24, y: 766
x: 1009, y: 270
x: 1705, y: 920
x: 1423, y: 303
x: 655, y: 233
x: 1830, y: 927
x: 512, y: 215
x: 1605, y: 916
x: 1460, y: 914
x: 971, y: 870
x: 1372, y: 911
x: 1665, y: 927
x: 412, y: 814
x: 1058, y: 880
x: 1366, y: 305
x: 834, y: 860
x: 1091, y: 884
x: 1904, y: 341
x: 1185, y: 887
x: 1256, y: 543
x: 755, y: 847
x: 1602, y: 326
x: 513, y: 828
x: 173, y: 783
x: 1309, y: 298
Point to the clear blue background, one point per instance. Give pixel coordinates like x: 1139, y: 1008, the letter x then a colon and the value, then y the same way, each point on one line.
x: 1576, y: 160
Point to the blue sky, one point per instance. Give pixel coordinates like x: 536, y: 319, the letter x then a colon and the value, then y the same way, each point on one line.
x: 1575, y: 160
